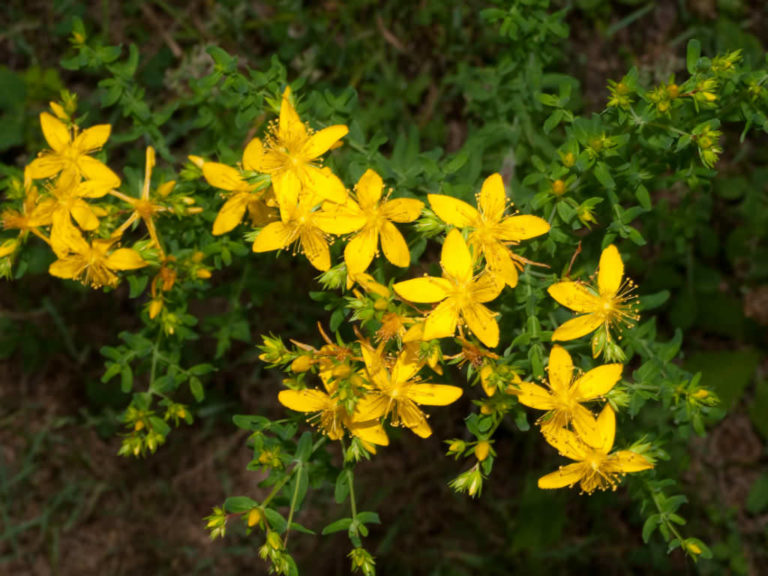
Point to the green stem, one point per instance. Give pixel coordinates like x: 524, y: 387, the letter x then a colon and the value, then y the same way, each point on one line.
x: 277, y: 489
x: 669, y: 524
x: 294, y: 498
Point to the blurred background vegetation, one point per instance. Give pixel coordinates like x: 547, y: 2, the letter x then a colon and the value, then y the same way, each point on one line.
x: 427, y: 74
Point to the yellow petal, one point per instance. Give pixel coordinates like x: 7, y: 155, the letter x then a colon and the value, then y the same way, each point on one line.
x: 606, y: 426
x: 565, y: 442
x: 325, y: 183
x: 394, y: 246
x: 585, y: 426
x: 576, y: 296
x: 373, y: 433
x: 577, y: 327
x: 274, y: 236
x: 369, y: 189
x: 94, y: 188
x: 453, y: 211
x: 426, y: 290
x: 55, y: 131
x: 493, y: 198
x: 402, y: 210
x: 597, y: 382
x: 290, y: 128
x: 626, y: 461
x: 486, y: 288
x: 45, y: 166
x: 93, y: 138
x: 483, y: 324
x: 533, y: 396
x: 83, y: 215
x: 560, y: 370
x: 499, y: 260
x: 455, y: 257
x: 359, y: 252
x: 93, y: 169
x: 125, y: 259
x: 287, y: 187
x: 253, y: 156
x: 434, y: 394
x: 315, y: 248
x: 517, y: 228
x: 320, y: 142
x: 231, y: 213
x: 223, y: 177
x: 371, y: 407
x: 339, y: 219
x: 566, y: 476
x: 412, y: 417
x: 610, y: 271
x: 441, y: 322
x: 305, y: 400
x: 69, y: 267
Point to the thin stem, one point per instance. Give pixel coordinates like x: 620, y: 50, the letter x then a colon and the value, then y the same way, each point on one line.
x: 294, y: 498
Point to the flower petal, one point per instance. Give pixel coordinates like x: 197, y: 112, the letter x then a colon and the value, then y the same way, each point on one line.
x: 231, y: 213
x: 482, y: 322
x: 499, y: 260
x: 606, y: 426
x: 223, y: 177
x: 524, y: 227
x: 339, y: 219
x: 287, y: 186
x: 626, y: 461
x: 586, y: 427
x: 533, y: 396
x: 560, y: 370
x: 320, y: 142
x: 426, y: 290
x: 359, y: 252
x: 453, y: 211
x: 325, y: 183
x: 315, y: 248
x: 55, y: 132
x: 369, y: 189
x: 304, y: 400
x: 394, y: 246
x: 492, y: 199
x: 441, y: 322
x: 274, y: 236
x: 610, y: 272
x: 576, y: 296
x: 402, y: 210
x: 565, y: 442
x: 253, y: 156
x: 434, y: 394
x: 597, y: 382
x: 125, y: 259
x: 83, y: 215
x: 487, y: 287
x: 577, y: 327
x: 566, y: 476
x: 93, y: 169
x: 69, y: 267
x: 45, y: 166
x: 455, y: 257
x: 290, y: 127
x: 93, y: 138
x: 373, y: 433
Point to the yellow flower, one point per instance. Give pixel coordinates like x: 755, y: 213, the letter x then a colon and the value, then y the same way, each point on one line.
x: 332, y: 417
x: 609, y: 305
x: 144, y: 207
x: 492, y: 232
x: 70, y: 151
x: 459, y: 293
x: 67, y: 202
x: 563, y: 400
x: 94, y: 264
x: 304, y: 223
x: 595, y: 467
x: 245, y: 195
x: 378, y: 217
x: 291, y: 154
x: 398, y: 393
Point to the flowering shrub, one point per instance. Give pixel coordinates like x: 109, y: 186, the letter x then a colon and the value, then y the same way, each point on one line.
x: 446, y: 278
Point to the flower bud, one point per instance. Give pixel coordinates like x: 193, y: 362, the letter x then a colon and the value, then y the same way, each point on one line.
x: 301, y: 364
x: 482, y: 449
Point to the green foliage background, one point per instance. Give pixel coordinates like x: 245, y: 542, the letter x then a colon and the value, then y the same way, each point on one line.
x: 436, y: 94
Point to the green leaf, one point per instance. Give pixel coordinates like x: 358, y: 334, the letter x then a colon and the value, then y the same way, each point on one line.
x: 727, y: 372
x: 603, y: 175
x: 341, y: 490
x: 304, y: 448
x: 299, y: 528
x: 126, y: 379
x: 196, y: 388
x: 275, y: 520
x: 239, y: 504
x: 552, y: 121
x: 650, y: 525
x: 368, y: 518
x: 692, y: 55
x: 643, y: 197
x: 757, y: 501
x: 337, y: 526
x: 652, y: 301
